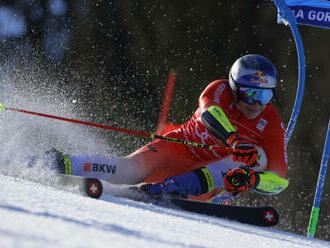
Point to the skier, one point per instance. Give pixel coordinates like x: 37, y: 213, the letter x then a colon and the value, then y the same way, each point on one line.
x: 236, y: 117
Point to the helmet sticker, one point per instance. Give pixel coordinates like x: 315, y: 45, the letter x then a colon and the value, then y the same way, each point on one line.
x: 259, y: 77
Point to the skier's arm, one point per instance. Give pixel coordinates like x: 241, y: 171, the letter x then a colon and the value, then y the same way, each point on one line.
x: 241, y: 179
x: 270, y: 183
x: 216, y: 121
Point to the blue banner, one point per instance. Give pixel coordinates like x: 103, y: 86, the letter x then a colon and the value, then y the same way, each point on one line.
x: 310, y: 12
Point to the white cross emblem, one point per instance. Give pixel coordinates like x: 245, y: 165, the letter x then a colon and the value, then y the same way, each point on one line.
x: 269, y: 216
x: 93, y: 188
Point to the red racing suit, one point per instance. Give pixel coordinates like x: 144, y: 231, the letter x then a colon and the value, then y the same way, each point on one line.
x: 266, y: 131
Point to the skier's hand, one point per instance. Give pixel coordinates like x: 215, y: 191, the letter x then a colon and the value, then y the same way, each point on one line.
x: 242, y: 150
x: 240, y: 180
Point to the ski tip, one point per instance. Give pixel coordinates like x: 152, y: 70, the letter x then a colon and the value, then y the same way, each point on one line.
x: 270, y: 216
x: 259, y: 216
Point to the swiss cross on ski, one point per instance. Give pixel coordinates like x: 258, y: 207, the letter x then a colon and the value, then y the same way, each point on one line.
x: 93, y: 187
x: 270, y: 216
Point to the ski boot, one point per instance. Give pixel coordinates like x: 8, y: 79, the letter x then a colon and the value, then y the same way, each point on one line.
x: 62, y: 161
x: 53, y: 159
x: 190, y: 184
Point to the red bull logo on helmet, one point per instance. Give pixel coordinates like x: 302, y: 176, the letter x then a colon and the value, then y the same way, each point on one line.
x: 259, y: 77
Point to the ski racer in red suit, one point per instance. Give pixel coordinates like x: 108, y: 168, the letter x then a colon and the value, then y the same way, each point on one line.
x: 235, y: 117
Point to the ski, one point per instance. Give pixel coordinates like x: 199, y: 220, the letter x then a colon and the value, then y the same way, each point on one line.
x: 264, y: 216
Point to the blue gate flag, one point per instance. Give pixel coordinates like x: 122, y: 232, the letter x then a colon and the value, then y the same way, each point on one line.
x: 310, y: 12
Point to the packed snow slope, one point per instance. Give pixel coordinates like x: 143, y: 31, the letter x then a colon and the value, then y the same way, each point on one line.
x: 39, y: 215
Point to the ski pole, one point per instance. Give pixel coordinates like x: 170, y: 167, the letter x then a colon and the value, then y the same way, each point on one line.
x: 166, y: 102
x: 319, y: 187
x: 148, y: 135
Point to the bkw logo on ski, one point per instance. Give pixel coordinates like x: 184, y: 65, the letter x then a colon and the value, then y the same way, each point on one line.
x: 105, y: 168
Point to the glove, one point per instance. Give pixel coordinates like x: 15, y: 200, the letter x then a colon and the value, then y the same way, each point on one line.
x: 240, y: 180
x: 242, y: 150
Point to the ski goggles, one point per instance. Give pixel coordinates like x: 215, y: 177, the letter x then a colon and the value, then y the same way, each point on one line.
x: 253, y: 95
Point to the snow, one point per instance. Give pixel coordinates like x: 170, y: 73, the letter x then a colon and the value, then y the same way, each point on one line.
x: 35, y: 214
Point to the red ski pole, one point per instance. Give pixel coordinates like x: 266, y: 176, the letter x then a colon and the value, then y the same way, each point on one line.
x: 149, y: 135
x: 166, y: 102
